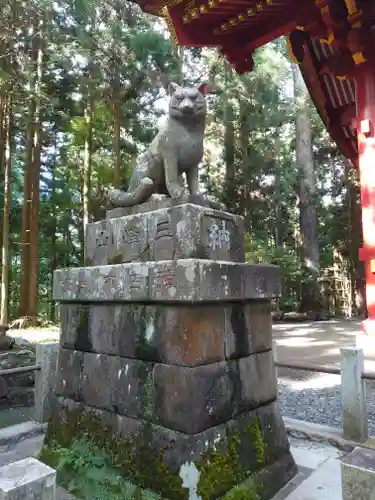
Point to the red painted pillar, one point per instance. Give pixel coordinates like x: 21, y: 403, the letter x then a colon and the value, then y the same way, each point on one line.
x: 365, y: 93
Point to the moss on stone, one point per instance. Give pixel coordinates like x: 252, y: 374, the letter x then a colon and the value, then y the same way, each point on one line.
x: 115, y: 259
x: 149, y: 397
x: 249, y: 490
x: 220, y: 466
x: 254, y: 429
x: 132, y: 456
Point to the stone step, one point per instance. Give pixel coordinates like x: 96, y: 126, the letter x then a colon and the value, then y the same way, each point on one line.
x: 358, y: 475
x: 19, y: 432
x: 322, y: 484
x: 27, y: 478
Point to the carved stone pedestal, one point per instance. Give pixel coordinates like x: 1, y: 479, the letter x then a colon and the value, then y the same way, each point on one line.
x: 165, y: 360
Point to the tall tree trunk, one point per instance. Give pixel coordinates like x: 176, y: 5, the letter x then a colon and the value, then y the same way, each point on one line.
x: 310, y: 296
x: 35, y: 181
x: 3, y: 104
x: 27, y: 190
x: 117, y: 141
x: 87, y: 160
x: 357, y: 274
x: 87, y: 168
x: 7, y: 198
x: 53, y: 233
x: 229, y: 151
x: 244, y: 202
x: 277, y: 193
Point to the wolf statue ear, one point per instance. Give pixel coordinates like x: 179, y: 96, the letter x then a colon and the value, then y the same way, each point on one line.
x: 172, y: 87
x: 206, y: 88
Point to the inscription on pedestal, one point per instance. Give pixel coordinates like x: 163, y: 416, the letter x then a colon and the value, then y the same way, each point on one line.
x: 221, y: 238
x: 163, y: 241
x: 99, y: 243
x: 164, y: 279
x: 218, y: 236
x: 130, y: 239
x: 130, y: 236
x: 103, y: 236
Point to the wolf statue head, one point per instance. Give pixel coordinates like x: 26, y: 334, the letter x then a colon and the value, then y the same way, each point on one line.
x: 188, y: 102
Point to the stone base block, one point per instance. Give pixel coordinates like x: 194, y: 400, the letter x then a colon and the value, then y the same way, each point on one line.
x: 183, y: 280
x: 179, y: 232
x: 358, y: 475
x: 186, y: 399
x: 177, y: 334
x: 241, y: 451
x: 27, y: 479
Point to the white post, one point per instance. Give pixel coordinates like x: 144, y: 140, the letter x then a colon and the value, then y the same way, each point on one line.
x: 353, y: 394
x: 45, y: 379
x: 275, y: 357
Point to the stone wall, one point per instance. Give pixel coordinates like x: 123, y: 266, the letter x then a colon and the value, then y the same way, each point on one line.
x: 17, y: 390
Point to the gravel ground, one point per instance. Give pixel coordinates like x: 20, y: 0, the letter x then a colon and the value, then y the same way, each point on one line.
x: 317, y: 398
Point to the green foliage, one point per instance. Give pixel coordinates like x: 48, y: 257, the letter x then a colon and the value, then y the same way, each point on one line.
x: 86, y: 472
x: 290, y: 268
x: 247, y: 491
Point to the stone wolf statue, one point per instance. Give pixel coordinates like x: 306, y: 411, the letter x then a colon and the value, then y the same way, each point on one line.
x: 176, y: 149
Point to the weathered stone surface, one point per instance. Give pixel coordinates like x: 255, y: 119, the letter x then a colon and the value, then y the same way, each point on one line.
x: 191, y: 400
x: 274, y: 476
x: 155, y: 202
x: 69, y: 374
x: 27, y: 479
x: 45, y: 379
x: 248, y: 436
x: 261, y: 282
x: 176, y: 334
x: 273, y: 431
x: 257, y: 380
x: 100, y: 380
x: 117, y: 241
x: 158, y: 202
x: 184, y: 280
x: 126, y: 282
x: 181, y: 232
x: 134, y: 391
x: 358, y: 475
x: 188, y: 400
x: 248, y: 328
x: 185, y: 335
x: 74, y: 320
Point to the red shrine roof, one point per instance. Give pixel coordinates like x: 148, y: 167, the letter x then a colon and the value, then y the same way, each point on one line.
x: 333, y: 97
x: 320, y: 34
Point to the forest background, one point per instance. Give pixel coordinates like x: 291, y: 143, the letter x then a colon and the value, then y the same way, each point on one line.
x: 83, y: 87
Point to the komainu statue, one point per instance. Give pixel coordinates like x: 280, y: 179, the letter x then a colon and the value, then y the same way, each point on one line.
x: 176, y: 149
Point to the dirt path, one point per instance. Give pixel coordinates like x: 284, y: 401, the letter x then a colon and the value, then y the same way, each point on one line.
x: 317, y: 342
